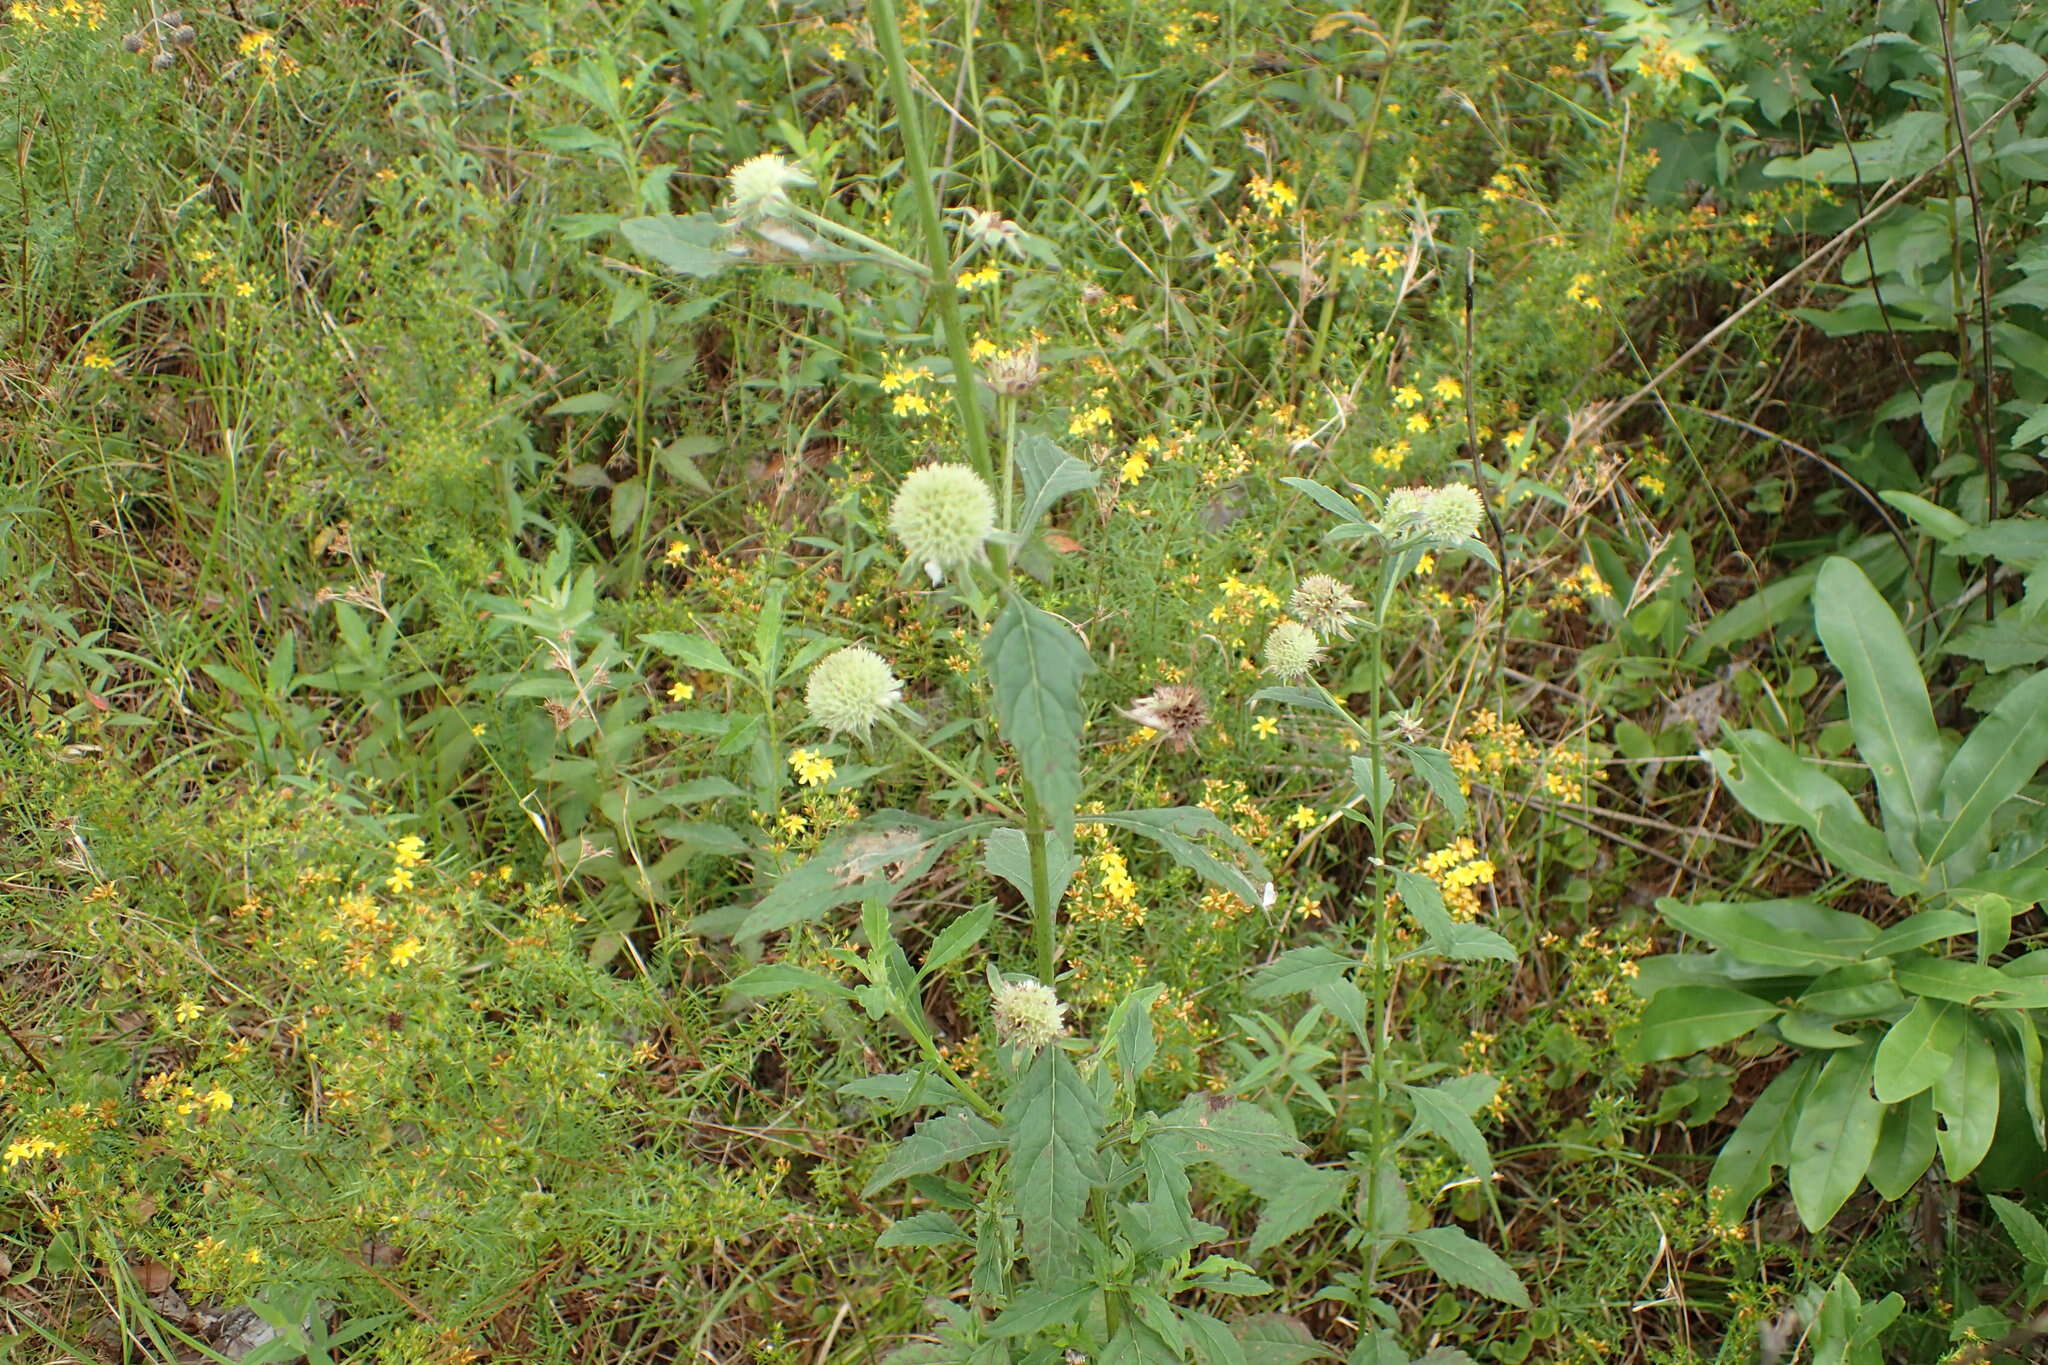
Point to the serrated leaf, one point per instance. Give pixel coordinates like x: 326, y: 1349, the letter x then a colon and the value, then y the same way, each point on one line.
x: 956, y: 939
x: 692, y: 651
x: 1042, y: 1306
x: 938, y: 1141
x: 1053, y: 1125
x: 1276, y: 1339
x: 1298, y: 971
x: 1038, y: 664
x: 775, y: 978
x: 1218, y: 1129
x: 1447, y: 1116
x: 1049, y: 475
x: 690, y: 244
x: 1293, y: 1203
x: 2024, y: 1228
x: 1434, y: 767
x: 1460, y: 1259
x: 1452, y: 938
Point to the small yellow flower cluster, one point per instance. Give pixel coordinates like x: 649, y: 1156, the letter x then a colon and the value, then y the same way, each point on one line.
x: 1509, y: 182
x: 1575, y: 589
x: 1580, y: 291
x: 1091, y: 420
x: 95, y: 358
x: 33, y: 1149
x: 978, y: 278
x: 812, y: 769
x: 54, y: 14
x: 260, y: 46
x: 1460, y: 871
x: 1274, y: 197
x: 906, y: 384
x: 186, y: 1100
x: 676, y: 553
x: 1391, y: 457
x: 1663, y: 63
x: 1489, y: 751
x: 1566, y: 771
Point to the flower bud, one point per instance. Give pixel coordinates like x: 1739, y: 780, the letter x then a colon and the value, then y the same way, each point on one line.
x: 760, y: 187
x: 163, y: 61
x: 850, y: 690
x: 1453, y: 513
x: 942, y: 514
x: 1028, y: 1014
x: 131, y: 42
x: 1291, y: 651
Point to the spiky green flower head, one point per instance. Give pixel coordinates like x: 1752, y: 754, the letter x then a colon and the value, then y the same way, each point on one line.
x: 760, y: 187
x: 1404, y: 510
x: 1028, y: 1014
x: 1291, y: 651
x: 943, y: 514
x: 850, y: 689
x: 1452, y: 513
x: 1325, y: 605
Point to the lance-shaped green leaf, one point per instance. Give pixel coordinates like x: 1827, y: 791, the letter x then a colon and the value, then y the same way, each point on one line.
x: 876, y: 859
x: 1835, y: 1138
x: 1038, y: 664
x: 1054, y: 1126
x: 1917, y: 1050
x: 1688, y: 1019
x: 1460, y: 1259
x: 1446, y: 1110
x: 1774, y: 784
x: 1180, y: 830
x: 1967, y: 1099
x: 2002, y: 753
x: 1762, y: 1141
x: 689, y: 243
x: 1888, y: 708
x: 937, y: 1142
x: 1905, y: 1147
x: 1780, y: 933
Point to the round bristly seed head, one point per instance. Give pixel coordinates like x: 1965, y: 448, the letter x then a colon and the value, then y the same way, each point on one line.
x: 850, y: 689
x: 1291, y: 651
x: 1325, y: 605
x: 163, y: 61
x: 1028, y: 1014
x: 943, y: 513
x: 1176, y: 710
x: 1452, y: 513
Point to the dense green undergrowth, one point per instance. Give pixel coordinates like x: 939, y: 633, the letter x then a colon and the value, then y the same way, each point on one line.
x: 1588, y: 916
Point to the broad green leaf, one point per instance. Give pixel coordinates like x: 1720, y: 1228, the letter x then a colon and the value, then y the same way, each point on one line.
x: 1037, y: 664
x: 1383, y: 1207
x: 1905, y: 1147
x: 880, y: 857
x: 931, y: 1228
x: 1210, y: 1336
x: 1054, y: 1126
x: 1967, y: 1099
x: 1459, y: 1259
x: 957, y: 938
x: 1042, y: 1306
x: 1688, y: 1019
x: 2020, y: 1023
x: 2001, y: 755
x: 1762, y: 1140
x: 1835, y: 1138
x: 690, y: 244
x: 1918, y: 930
x: 1299, y: 970
x: 1917, y: 1050
x: 1803, y: 1029
x: 938, y: 1141
x: 2024, y: 1228
x: 1857, y: 991
x: 774, y: 978
x: 1948, y: 978
x: 1452, y: 938
x: 1130, y: 1030
x: 1049, y: 475
x: 1179, y: 830
x: 1888, y: 708
x: 1293, y: 1203
x: 1450, y: 1119
x: 1336, y: 504
x: 1007, y: 854
x: 1434, y: 767
x: 1276, y: 1339
x: 1219, y: 1129
x: 1774, y: 784
x: 1780, y: 933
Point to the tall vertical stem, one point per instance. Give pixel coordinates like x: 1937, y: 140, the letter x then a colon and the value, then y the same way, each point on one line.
x: 889, y: 37
x: 1042, y: 908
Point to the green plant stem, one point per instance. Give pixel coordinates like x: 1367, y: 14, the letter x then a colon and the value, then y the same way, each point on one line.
x: 954, y: 1078
x: 1042, y: 908
x: 855, y: 237
x: 889, y: 36
x: 1382, y: 970
x: 1008, y: 811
